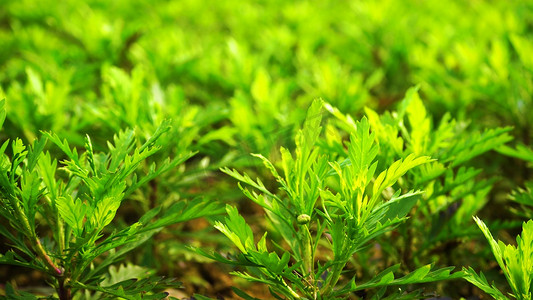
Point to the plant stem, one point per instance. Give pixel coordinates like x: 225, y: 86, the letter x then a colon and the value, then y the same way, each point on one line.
x: 332, y: 279
x: 60, y: 234
x: 30, y: 233
x: 307, y: 255
x: 336, y: 270
x: 63, y: 291
x: 291, y: 291
x: 41, y: 252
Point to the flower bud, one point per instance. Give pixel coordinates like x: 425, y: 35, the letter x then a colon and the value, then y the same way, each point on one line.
x: 303, y: 219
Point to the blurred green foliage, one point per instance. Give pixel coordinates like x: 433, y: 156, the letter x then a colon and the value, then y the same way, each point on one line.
x: 263, y: 58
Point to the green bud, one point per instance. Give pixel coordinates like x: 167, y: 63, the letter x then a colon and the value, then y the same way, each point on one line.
x: 303, y: 219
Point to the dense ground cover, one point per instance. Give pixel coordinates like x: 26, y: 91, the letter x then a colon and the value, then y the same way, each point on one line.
x: 313, y: 150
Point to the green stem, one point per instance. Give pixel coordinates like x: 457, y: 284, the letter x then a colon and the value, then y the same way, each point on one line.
x: 30, y: 233
x: 307, y: 256
x: 21, y: 216
x: 41, y: 252
x: 38, y: 247
x: 336, y: 270
x: 332, y: 279
x: 61, y: 235
x: 291, y: 291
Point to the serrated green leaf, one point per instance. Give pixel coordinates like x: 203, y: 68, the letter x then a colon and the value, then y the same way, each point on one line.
x: 389, y: 177
x: 74, y: 212
x: 125, y: 272
x: 362, y: 149
x: 481, y: 282
x: 492, y: 242
x: 478, y: 144
x: 31, y: 193
x: 521, y: 151
x: 400, y: 205
x: 311, y: 129
x: 236, y: 229
x: 64, y: 146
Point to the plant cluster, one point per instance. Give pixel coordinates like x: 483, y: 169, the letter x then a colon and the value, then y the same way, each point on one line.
x: 142, y: 141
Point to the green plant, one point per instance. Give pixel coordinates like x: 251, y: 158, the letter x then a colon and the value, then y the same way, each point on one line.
x: 516, y: 262
x: 324, y: 209
x: 522, y: 196
x: 78, y: 68
x: 58, y: 218
x: 455, y: 188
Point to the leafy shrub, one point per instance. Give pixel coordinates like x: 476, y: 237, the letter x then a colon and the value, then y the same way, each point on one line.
x: 77, y: 204
x: 308, y: 212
